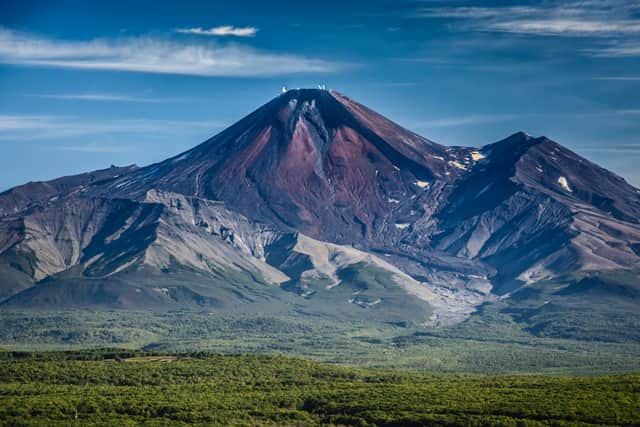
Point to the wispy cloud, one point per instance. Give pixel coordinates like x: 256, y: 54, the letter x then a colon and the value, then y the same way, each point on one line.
x: 225, y: 30
x: 618, y: 49
x: 568, y: 27
x: 473, y: 119
x: 630, y: 149
x: 619, y: 78
x: 57, y: 127
x: 152, y: 55
x: 550, y: 18
x: 473, y: 12
x: 480, y: 119
x: 103, y: 97
x: 397, y: 84
x: 93, y: 148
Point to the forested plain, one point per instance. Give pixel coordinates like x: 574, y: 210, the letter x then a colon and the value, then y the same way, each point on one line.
x: 134, y: 388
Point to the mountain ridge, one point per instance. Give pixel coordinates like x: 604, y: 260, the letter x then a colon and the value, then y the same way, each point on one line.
x: 312, y: 192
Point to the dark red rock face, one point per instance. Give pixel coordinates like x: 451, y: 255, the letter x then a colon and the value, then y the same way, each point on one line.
x: 310, y: 160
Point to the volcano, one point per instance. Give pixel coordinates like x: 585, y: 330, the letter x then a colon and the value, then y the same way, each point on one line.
x: 310, y: 160
x: 317, y: 202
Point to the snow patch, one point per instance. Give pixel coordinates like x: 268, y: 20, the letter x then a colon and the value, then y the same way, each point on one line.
x: 182, y: 157
x: 476, y: 155
x: 390, y: 200
x: 457, y: 164
x: 565, y: 184
x: 402, y: 225
x: 422, y: 184
x: 124, y: 183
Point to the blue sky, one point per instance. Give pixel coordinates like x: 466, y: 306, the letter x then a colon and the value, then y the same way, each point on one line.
x: 87, y: 84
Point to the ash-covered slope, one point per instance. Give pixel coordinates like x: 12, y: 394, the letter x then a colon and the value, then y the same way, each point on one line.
x: 533, y: 209
x: 317, y: 201
x: 171, y: 250
x: 19, y: 198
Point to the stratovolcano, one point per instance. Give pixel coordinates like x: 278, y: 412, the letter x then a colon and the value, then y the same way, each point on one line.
x: 301, y: 195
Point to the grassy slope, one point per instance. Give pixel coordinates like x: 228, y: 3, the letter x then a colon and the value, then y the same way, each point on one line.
x: 595, y: 306
x: 489, y: 343
x: 261, y: 390
x: 583, y: 324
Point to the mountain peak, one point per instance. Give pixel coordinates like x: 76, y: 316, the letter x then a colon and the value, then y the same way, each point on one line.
x: 306, y: 95
x: 309, y: 159
x: 518, y: 138
x: 522, y: 135
x: 306, y: 92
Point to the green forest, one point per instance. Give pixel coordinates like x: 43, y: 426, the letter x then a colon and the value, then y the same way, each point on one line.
x: 134, y: 388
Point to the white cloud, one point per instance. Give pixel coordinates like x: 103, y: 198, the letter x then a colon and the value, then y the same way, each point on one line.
x: 572, y: 27
x: 54, y: 127
x: 473, y: 119
x: 103, y: 97
x: 93, y: 148
x: 479, y: 119
x: 630, y: 150
x: 152, y: 55
x: 619, y: 78
x: 472, y: 12
x: 623, y: 49
x: 560, y: 18
x: 397, y: 84
x: 225, y: 30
